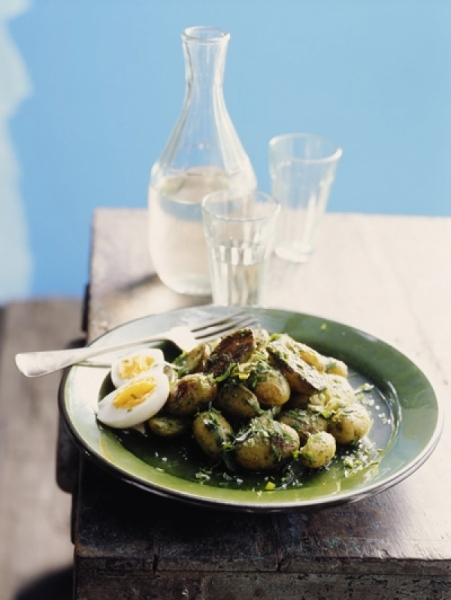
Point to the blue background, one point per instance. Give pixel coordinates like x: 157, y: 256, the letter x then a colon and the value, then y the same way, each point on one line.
x: 107, y: 85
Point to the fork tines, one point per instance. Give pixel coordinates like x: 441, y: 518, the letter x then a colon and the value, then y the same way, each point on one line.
x: 226, y: 324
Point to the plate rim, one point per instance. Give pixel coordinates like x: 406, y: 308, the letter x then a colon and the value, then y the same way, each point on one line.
x: 349, y: 496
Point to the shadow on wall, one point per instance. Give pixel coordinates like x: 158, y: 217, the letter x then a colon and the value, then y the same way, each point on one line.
x: 15, y: 275
x: 51, y: 586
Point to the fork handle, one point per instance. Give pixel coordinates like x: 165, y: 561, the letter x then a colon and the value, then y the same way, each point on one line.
x: 35, y: 364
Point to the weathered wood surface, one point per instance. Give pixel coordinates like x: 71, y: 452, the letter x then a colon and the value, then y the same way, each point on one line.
x: 388, y: 275
x: 34, y: 512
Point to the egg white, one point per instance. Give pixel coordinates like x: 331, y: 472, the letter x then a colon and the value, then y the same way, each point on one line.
x: 135, y: 401
x: 136, y: 363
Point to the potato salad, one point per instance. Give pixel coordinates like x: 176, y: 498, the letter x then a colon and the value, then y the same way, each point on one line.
x: 252, y: 401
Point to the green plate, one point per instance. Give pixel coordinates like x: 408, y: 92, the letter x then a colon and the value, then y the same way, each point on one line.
x: 406, y: 427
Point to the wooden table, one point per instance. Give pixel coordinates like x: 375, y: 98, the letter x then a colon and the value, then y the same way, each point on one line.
x: 35, y: 547
x: 388, y: 275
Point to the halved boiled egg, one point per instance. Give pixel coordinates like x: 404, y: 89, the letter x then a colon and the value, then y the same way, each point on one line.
x: 136, y: 363
x: 135, y: 401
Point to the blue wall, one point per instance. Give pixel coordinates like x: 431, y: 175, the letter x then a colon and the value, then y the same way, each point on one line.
x: 103, y: 84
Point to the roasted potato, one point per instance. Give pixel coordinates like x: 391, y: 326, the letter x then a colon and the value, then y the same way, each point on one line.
x: 308, y: 354
x: 336, y: 367
x: 236, y: 400
x: 318, y: 450
x: 298, y: 400
x: 339, y: 392
x: 271, y: 387
x: 212, y: 432
x: 302, y: 376
x: 291, y: 402
x: 311, y: 356
x: 350, y: 424
x: 192, y: 361
x: 232, y: 349
x: 168, y: 426
x: 265, y: 444
x: 191, y: 393
x: 304, y: 422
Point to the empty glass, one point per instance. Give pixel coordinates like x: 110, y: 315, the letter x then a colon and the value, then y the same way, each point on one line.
x: 302, y: 168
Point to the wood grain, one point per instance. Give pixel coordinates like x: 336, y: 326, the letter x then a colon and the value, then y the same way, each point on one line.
x: 387, y: 275
x: 34, y: 512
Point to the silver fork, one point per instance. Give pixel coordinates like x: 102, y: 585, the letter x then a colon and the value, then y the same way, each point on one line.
x: 35, y: 364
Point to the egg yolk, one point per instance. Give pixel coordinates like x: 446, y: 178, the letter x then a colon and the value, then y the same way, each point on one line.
x: 135, y: 393
x: 130, y: 367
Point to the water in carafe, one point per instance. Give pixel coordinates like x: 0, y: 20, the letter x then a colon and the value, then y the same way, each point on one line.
x: 203, y: 154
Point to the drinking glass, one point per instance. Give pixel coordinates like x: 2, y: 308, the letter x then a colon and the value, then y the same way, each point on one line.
x: 302, y: 168
x: 239, y: 232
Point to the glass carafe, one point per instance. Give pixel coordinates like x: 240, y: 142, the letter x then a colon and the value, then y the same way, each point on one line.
x: 203, y: 154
